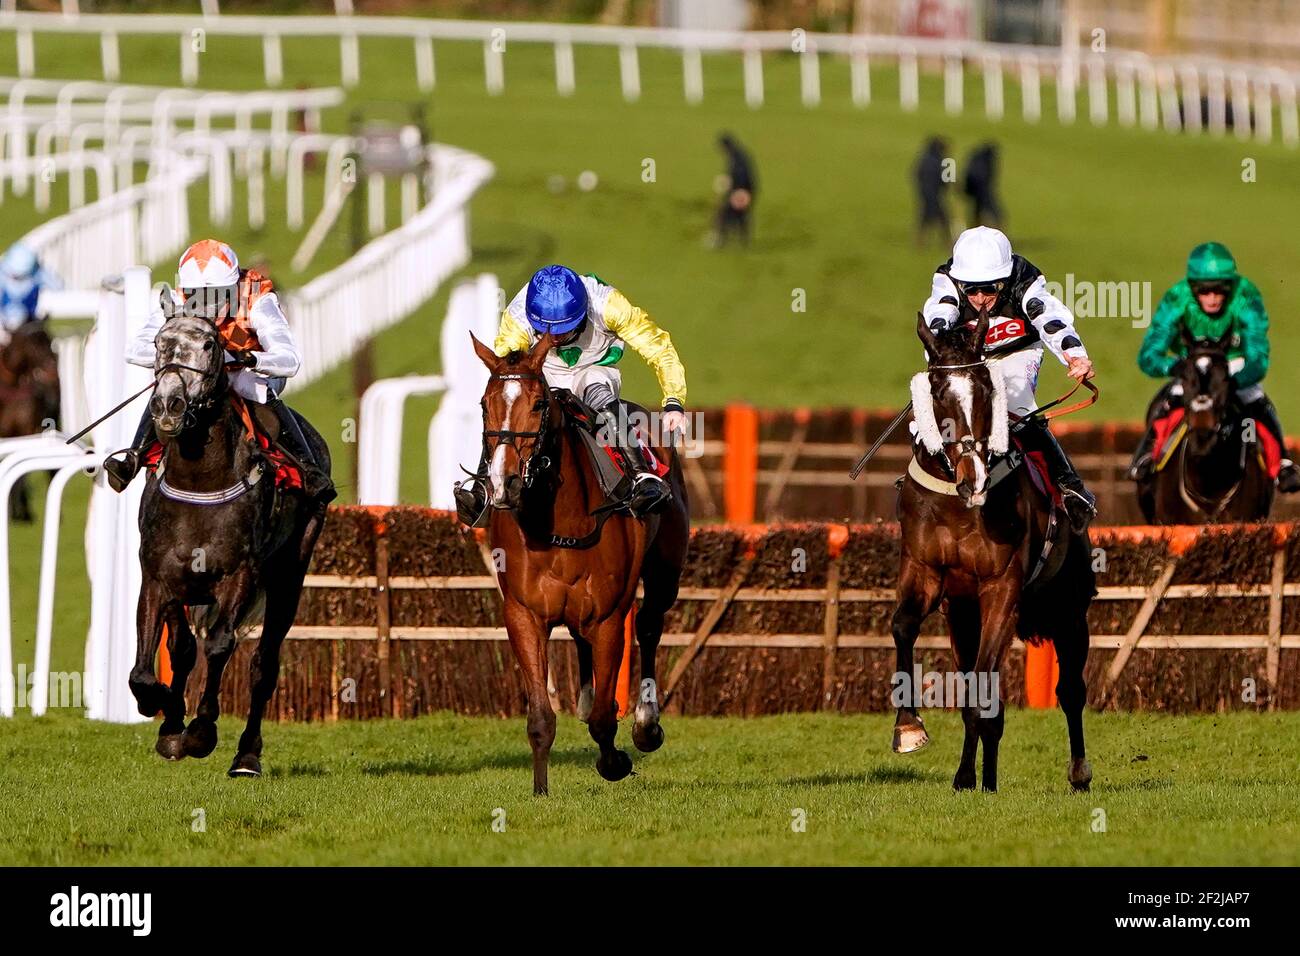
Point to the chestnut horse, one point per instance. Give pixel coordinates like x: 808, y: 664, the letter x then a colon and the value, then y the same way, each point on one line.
x: 562, y: 565
x: 1215, y: 474
x: 983, y: 544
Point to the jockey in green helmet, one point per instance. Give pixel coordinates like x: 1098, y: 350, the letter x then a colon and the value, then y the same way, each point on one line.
x: 1213, y: 299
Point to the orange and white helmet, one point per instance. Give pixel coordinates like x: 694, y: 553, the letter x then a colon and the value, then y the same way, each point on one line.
x: 208, y: 264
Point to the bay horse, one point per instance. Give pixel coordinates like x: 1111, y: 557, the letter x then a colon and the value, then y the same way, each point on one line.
x: 1215, y: 473
x: 221, y: 549
x: 562, y: 566
x: 987, y: 548
x: 29, y: 395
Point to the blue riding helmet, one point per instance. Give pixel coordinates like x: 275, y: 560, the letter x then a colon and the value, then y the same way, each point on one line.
x: 19, y: 262
x: 556, y: 300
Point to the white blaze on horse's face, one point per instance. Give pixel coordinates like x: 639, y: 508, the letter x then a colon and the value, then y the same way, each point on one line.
x: 963, y: 389
x: 497, y: 473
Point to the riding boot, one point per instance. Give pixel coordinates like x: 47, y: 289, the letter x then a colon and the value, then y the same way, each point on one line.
x: 1142, y: 465
x: 471, y: 495
x: 1262, y: 411
x: 649, y: 494
x: 121, y: 471
x: 1080, y: 504
x: 316, y: 484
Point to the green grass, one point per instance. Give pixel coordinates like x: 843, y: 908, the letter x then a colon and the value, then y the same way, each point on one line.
x: 1188, y: 790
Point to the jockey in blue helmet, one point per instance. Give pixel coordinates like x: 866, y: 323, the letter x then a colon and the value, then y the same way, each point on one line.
x: 21, y: 280
x: 591, y: 322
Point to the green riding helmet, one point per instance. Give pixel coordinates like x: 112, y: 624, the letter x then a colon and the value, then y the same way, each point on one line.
x: 1211, y: 262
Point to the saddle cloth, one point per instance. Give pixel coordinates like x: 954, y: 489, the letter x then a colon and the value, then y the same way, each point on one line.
x: 287, y: 474
x: 604, y: 459
x: 1170, y: 430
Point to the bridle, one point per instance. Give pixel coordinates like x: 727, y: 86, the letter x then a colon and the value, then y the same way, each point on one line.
x: 528, y: 470
x: 193, y: 408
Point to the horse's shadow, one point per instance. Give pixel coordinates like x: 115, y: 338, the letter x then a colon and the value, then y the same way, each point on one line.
x: 431, y: 766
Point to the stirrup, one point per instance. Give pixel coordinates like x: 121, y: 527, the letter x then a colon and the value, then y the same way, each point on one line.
x: 122, y: 471
x: 650, y: 494
x: 472, y: 511
x: 1080, y: 506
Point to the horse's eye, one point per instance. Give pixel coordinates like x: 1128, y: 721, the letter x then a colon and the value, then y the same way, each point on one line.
x: 540, y: 405
x: 207, y: 346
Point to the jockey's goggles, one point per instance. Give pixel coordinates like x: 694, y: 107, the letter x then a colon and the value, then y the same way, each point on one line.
x: 208, y: 303
x: 983, y: 288
x: 1215, y: 287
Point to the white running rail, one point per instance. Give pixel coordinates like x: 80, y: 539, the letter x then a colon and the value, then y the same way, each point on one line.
x: 1156, y: 92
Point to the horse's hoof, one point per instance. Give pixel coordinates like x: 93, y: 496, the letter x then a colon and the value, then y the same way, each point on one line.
x: 647, y: 737
x: 909, y: 739
x: 616, y: 768
x: 1080, y: 774
x: 585, y: 701
x: 964, y: 780
x: 200, y: 738
x: 245, y: 765
x: 171, y: 747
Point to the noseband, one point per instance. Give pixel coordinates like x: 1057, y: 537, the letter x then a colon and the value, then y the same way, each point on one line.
x: 528, y: 471
x: 192, y: 408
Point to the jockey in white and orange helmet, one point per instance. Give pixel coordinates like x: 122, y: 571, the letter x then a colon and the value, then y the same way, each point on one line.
x: 245, y: 308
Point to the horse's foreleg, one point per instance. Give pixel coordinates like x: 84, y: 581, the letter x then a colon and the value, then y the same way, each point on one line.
x: 919, y: 591
x: 1072, y: 693
x: 183, y: 652
x: 607, y: 654
x: 528, y: 636
x: 233, y: 596
x: 151, y: 694
x: 585, y: 693
x: 999, y: 614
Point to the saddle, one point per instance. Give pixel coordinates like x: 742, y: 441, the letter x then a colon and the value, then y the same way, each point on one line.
x: 605, y: 460
x: 1169, y: 430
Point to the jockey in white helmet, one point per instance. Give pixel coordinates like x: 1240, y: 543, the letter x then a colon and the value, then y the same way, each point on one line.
x: 1024, y: 317
x: 243, y: 305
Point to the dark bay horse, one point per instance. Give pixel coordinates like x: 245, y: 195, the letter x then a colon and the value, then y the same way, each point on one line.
x: 1215, y: 473
x: 29, y: 395
x: 217, y: 541
x: 987, y: 550
x: 564, y: 566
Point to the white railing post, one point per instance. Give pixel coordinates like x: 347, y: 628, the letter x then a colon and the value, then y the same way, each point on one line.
x: 629, y: 72
x: 954, y: 79
x: 692, y: 74
x: 109, y: 55
x: 909, y: 82
x: 350, y: 59
x: 810, y: 77
x: 424, y: 69
x: 1031, y: 104
x: 1098, y: 95
x: 753, y: 68
x: 272, y: 60
x: 564, y: 70
x: 860, y: 76
x: 994, y: 105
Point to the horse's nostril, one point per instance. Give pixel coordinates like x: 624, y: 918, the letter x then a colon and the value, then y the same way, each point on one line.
x: 155, y: 405
x: 175, y: 405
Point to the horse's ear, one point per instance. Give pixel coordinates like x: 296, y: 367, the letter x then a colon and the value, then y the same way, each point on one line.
x: 981, y: 331
x: 485, y: 354
x: 537, y: 354
x: 927, y: 337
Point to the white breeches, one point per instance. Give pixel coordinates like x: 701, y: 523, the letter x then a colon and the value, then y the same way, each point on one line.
x: 597, y: 385
x: 1020, y: 372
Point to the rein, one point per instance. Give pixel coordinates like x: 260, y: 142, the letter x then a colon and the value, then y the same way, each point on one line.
x: 507, y: 436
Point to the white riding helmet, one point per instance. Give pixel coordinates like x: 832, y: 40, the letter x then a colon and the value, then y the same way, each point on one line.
x: 981, y: 255
x: 208, y: 264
